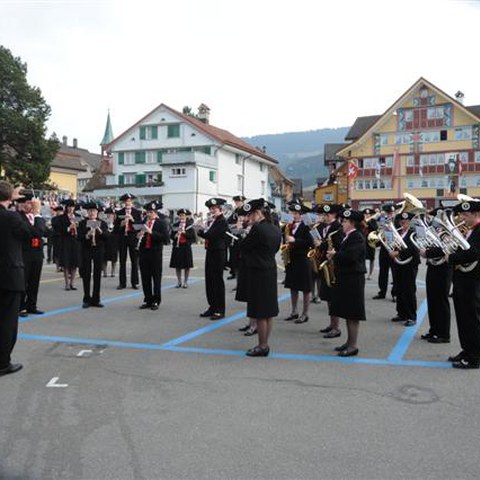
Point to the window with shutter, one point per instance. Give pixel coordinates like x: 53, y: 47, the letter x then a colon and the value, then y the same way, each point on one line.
x: 121, y: 180
x: 139, y: 157
x: 154, y: 132
x: 159, y: 156
x: 173, y: 131
x: 140, y: 179
x: 121, y: 158
x: 142, y: 133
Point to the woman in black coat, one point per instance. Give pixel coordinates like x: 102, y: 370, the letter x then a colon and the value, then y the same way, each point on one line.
x: 182, y: 235
x: 298, y: 274
x: 348, y: 293
x: 258, y: 250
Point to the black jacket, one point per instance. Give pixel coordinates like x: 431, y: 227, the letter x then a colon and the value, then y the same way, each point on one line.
x: 189, y: 232
x: 100, y: 238
x: 159, y: 236
x: 410, y: 251
x: 215, y: 238
x: 34, y: 244
x: 261, y: 244
x: 350, y: 256
x: 13, y: 233
x: 303, y: 240
x: 117, y: 226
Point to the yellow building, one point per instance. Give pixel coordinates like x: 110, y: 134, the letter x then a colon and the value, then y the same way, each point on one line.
x: 426, y: 143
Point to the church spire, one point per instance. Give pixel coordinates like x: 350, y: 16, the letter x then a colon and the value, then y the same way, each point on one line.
x: 108, y: 135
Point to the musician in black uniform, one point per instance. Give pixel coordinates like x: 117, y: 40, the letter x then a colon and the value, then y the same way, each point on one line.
x: 466, y: 288
x: 182, y: 235
x: 111, y: 244
x: 385, y: 262
x: 258, y: 251
x: 406, y: 268
x: 298, y: 274
x: 348, y: 292
x: 371, y: 226
x: 215, y: 245
x: 331, y: 229
x: 55, y: 235
x: 92, y: 234
x: 69, y: 258
x: 127, y: 240
x: 32, y: 253
x: 438, y: 282
x: 151, y: 239
x: 234, y: 250
x: 12, y: 280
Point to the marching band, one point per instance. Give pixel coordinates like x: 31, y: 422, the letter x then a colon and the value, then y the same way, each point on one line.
x: 328, y: 245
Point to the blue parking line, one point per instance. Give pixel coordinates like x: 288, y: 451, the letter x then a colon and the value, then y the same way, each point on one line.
x: 215, y: 326
x: 401, y: 347
x: 60, y: 311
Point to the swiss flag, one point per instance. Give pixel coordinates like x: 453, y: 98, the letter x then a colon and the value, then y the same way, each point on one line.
x: 352, y: 170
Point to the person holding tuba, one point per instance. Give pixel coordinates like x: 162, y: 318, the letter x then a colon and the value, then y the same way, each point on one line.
x: 298, y: 241
x: 92, y: 234
x: 438, y: 282
x: 405, y: 269
x: 466, y: 287
x: 332, y: 236
x: 348, y: 292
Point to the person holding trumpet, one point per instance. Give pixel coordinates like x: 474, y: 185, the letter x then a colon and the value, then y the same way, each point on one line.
x: 92, y: 234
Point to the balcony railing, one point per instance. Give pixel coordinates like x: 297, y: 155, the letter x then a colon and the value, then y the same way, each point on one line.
x: 198, y: 158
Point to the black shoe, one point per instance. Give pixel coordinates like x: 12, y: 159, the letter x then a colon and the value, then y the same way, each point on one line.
x: 258, y: 352
x: 85, y: 304
x: 206, y: 313
x: 121, y: 287
x: 394, y: 299
x: 292, y: 316
x: 23, y: 314
x: 97, y: 304
x: 154, y: 306
x: 437, y: 339
x: 73, y: 287
x: 341, y: 348
x: 231, y: 277
x: 398, y: 319
x: 333, y: 334
x: 244, y: 329
x: 178, y: 285
x: 457, y: 357
x: 12, y: 368
x: 250, y: 332
x: 410, y: 323
x: 135, y: 287
x: 217, y: 316
x: 348, y: 352
x: 35, y: 311
x: 185, y: 285
x: 427, y: 336
x: 465, y: 364
x: 316, y: 300
x: 379, y: 296
x: 145, y: 306
x: 326, y: 329
x: 302, y: 319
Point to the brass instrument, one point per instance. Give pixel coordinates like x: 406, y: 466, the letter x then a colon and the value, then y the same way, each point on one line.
x: 327, y: 267
x: 314, y: 253
x: 285, y: 247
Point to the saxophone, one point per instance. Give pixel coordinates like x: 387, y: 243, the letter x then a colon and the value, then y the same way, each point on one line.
x: 285, y: 247
x: 327, y: 267
x: 314, y: 253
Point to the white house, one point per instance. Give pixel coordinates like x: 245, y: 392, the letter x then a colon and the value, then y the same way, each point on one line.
x: 183, y: 161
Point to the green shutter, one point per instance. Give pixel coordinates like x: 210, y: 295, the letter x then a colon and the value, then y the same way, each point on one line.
x: 139, y: 157
x: 159, y: 156
x: 160, y: 177
x: 207, y: 150
x: 173, y: 131
x: 211, y: 175
x: 121, y: 158
x: 142, y: 133
x: 121, y: 180
x: 154, y: 132
x: 140, y: 179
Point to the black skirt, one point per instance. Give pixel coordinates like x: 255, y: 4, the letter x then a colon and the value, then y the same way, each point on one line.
x: 298, y: 275
x: 262, y: 295
x: 69, y: 254
x: 182, y: 256
x: 348, y: 296
x: 370, y: 253
x: 111, y: 248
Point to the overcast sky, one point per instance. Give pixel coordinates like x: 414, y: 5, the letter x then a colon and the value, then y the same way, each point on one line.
x: 261, y: 66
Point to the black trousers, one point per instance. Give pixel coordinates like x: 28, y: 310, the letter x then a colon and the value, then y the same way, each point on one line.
x: 151, y: 266
x: 385, y: 263
x: 92, y: 257
x: 128, y: 244
x: 438, y: 282
x: 466, y: 300
x: 9, y: 306
x: 214, y: 283
x: 406, y: 277
x: 33, y: 271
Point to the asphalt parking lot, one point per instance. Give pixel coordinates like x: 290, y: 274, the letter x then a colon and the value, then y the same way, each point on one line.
x: 120, y: 393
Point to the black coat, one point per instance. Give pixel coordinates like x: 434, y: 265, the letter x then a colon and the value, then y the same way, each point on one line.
x: 69, y: 255
x: 131, y: 237
x: 33, y: 246
x: 100, y: 238
x: 215, y: 238
x: 258, y: 251
x: 348, y: 292
x: 159, y: 236
x: 13, y: 233
x: 182, y: 256
x: 410, y: 252
x: 299, y: 271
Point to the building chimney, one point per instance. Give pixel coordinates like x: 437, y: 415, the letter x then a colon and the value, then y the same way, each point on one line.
x: 204, y: 114
x: 264, y: 149
x: 75, y: 143
x: 65, y: 140
x: 460, y: 96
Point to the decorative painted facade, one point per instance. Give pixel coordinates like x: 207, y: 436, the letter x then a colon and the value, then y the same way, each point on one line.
x: 426, y: 143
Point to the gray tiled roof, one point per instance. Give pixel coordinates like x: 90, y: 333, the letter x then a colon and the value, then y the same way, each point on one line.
x: 475, y: 109
x: 330, y: 150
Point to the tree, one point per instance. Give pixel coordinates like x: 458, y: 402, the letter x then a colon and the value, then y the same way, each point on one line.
x: 25, y: 152
x: 188, y: 111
